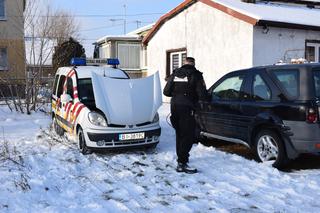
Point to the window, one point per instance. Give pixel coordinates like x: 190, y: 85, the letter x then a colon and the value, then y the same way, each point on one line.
x: 229, y: 89
x: 3, y: 59
x: 175, y: 59
x: 85, y: 90
x: 70, y: 87
x: 129, y: 56
x: 2, y: 9
x: 289, y: 80
x: 261, y: 91
x: 313, y: 51
x: 316, y: 80
x: 55, y: 84
x: 61, y: 84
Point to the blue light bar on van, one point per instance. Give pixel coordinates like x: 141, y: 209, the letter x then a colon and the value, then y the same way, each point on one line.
x: 113, y: 61
x: 78, y: 62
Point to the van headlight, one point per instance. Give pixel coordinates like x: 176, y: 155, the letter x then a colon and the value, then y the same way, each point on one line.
x: 156, y: 118
x: 97, y: 119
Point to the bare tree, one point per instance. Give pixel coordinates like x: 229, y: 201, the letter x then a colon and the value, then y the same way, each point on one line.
x: 45, y: 28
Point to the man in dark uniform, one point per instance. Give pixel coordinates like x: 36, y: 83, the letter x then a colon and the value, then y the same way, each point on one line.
x: 186, y: 87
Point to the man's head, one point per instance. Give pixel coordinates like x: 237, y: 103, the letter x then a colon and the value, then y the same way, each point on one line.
x: 190, y: 61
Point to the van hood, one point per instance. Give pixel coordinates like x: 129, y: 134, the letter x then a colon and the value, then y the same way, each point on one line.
x: 127, y: 101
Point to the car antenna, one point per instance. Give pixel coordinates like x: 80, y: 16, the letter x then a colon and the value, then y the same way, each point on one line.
x: 104, y: 72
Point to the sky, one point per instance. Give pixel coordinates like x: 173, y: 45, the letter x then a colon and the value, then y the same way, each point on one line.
x: 98, y: 18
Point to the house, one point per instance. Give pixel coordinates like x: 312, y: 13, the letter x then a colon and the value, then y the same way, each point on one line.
x: 12, y: 54
x: 39, y: 53
x: 128, y: 49
x: 226, y: 35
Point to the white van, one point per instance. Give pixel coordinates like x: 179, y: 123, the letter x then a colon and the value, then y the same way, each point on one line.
x: 104, y: 108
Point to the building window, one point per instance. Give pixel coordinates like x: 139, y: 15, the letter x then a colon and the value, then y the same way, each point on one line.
x: 3, y: 59
x: 313, y: 51
x: 129, y: 56
x: 175, y: 59
x: 2, y: 9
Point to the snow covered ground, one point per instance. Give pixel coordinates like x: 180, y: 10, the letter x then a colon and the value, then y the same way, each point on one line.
x: 40, y: 172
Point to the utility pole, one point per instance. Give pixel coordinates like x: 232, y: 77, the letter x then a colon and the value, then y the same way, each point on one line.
x: 138, y: 23
x: 125, y: 19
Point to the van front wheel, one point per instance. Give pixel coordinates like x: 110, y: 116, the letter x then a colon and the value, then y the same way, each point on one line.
x: 82, y: 143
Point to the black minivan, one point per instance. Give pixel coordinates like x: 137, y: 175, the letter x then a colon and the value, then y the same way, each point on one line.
x: 273, y: 110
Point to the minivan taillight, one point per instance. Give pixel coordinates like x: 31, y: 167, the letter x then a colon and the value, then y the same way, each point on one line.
x: 312, y: 116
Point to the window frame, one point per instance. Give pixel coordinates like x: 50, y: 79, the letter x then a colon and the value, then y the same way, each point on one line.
x: 169, y: 61
x: 7, y: 59
x: 244, y: 82
x: 4, y: 17
x: 316, y: 45
x: 127, y: 45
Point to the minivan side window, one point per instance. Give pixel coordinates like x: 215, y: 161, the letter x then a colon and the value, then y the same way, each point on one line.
x: 289, y: 80
x: 54, y: 91
x: 316, y: 80
x: 70, y: 87
x: 229, y: 89
x: 60, y: 86
x: 261, y: 91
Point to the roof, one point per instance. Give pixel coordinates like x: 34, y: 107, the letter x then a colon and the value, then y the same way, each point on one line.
x: 118, y: 38
x: 270, y: 14
x: 86, y: 71
x: 131, y: 36
x: 141, y: 29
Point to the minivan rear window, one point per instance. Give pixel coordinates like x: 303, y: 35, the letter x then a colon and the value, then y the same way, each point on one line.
x: 289, y: 80
x: 316, y: 80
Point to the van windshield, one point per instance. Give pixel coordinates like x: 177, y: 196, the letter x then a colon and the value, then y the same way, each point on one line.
x: 316, y: 80
x: 85, y: 91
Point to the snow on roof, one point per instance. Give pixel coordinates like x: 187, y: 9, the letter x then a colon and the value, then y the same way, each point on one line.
x: 133, y: 35
x: 275, y: 12
x: 141, y: 29
x: 117, y: 37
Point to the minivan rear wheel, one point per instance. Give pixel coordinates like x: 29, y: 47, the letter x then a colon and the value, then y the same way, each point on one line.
x: 269, y: 148
x: 58, y: 129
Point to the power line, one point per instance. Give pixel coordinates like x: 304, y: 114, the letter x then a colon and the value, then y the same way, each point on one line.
x: 96, y: 15
x: 112, y: 26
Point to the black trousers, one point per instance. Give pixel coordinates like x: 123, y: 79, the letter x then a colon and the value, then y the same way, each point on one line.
x: 182, y: 120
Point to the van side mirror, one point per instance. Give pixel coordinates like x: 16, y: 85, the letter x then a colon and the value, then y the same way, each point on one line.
x: 66, y: 98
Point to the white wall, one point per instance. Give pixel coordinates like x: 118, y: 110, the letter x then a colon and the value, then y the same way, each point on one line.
x: 280, y: 44
x: 105, y: 51
x: 218, y: 42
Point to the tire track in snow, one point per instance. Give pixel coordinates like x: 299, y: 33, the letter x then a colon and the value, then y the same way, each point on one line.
x: 54, y: 139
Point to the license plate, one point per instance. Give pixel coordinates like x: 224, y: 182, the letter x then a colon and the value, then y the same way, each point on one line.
x: 133, y: 136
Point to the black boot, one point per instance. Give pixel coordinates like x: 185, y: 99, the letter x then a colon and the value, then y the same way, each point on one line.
x: 186, y: 168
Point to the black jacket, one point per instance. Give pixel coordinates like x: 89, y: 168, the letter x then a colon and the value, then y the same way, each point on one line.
x: 186, y: 86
